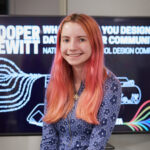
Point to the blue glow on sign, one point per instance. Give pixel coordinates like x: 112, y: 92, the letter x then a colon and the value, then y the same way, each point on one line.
x: 15, y: 86
x: 133, y: 90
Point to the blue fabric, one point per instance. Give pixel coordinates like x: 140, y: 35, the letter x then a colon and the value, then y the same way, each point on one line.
x: 75, y: 134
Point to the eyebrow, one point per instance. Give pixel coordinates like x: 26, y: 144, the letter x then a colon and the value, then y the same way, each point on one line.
x: 80, y: 36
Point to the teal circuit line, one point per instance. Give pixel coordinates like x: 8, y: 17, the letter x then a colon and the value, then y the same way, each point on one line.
x: 135, y: 97
x: 15, y: 86
x: 36, y: 115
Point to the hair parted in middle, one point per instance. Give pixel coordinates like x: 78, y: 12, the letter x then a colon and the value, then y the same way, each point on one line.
x: 60, y: 89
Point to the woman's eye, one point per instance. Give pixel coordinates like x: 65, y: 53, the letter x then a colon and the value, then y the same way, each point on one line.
x: 65, y: 40
x: 82, y: 39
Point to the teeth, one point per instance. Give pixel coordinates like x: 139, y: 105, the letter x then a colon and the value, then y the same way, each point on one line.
x: 74, y: 54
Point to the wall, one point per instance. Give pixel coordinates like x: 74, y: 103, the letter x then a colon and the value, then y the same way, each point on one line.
x: 37, y: 7
x: 110, y: 7
x: 94, y: 7
x: 91, y: 7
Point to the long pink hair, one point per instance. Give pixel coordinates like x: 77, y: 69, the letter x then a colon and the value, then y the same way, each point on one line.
x: 60, y: 89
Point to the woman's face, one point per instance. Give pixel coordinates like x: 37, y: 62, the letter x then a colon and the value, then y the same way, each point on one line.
x: 75, y: 45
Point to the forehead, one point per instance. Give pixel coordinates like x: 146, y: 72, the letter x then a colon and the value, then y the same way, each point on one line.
x: 71, y: 28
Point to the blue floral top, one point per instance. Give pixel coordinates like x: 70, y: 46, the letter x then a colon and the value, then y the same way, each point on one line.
x: 75, y: 134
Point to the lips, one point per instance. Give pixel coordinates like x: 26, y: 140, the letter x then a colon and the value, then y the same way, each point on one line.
x: 74, y: 54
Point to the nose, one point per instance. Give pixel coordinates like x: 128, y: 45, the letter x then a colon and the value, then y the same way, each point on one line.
x: 73, y: 44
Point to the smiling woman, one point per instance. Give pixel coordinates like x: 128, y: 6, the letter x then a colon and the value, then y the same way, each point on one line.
x: 83, y: 96
x: 75, y: 45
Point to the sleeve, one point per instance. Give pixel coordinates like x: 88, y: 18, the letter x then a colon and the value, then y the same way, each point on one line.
x: 49, y: 136
x: 107, y: 114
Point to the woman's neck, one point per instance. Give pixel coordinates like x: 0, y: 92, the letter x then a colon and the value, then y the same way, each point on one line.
x: 77, y: 74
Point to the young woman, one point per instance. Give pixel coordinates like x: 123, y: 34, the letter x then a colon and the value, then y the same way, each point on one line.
x: 83, y: 96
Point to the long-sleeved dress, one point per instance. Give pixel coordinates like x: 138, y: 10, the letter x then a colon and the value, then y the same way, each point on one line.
x: 75, y: 134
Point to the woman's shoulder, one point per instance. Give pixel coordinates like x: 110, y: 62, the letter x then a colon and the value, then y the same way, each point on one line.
x: 112, y: 80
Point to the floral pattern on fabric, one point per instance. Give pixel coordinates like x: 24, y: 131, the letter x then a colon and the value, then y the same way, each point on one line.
x: 75, y: 134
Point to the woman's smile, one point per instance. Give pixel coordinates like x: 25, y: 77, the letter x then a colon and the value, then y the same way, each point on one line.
x: 75, y: 45
x: 74, y: 54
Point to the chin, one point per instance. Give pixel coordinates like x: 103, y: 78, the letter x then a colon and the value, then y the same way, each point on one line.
x: 74, y: 63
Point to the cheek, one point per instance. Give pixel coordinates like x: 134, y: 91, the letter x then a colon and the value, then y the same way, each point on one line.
x: 62, y: 47
x: 89, y: 50
x: 63, y: 51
